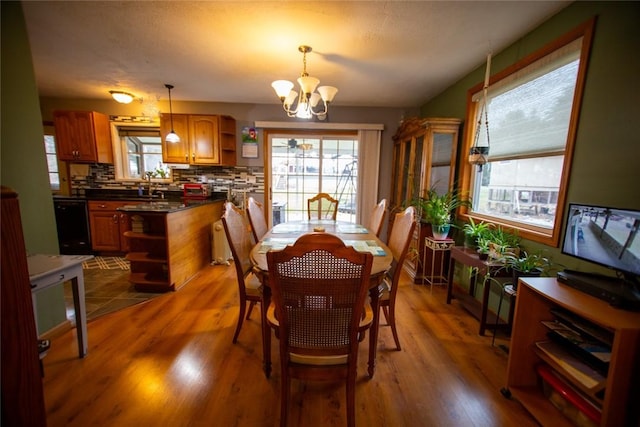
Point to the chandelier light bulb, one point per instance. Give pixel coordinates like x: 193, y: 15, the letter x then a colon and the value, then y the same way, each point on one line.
x: 305, y: 103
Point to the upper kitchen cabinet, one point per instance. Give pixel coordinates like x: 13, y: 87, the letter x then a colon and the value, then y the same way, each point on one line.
x: 83, y: 137
x: 175, y: 152
x: 205, y: 139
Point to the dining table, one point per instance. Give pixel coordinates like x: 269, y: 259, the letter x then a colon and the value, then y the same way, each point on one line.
x: 355, y: 235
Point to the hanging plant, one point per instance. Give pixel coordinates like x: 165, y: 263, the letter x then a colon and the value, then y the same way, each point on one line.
x: 479, y: 155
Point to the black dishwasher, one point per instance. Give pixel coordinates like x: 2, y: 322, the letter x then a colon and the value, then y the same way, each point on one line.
x: 72, y: 222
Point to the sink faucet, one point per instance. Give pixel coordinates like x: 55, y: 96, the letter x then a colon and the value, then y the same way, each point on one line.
x: 148, y: 176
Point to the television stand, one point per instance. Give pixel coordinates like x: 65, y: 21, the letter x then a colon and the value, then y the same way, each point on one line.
x: 614, y: 291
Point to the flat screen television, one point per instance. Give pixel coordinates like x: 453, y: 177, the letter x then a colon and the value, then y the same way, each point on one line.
x: 606, y: 236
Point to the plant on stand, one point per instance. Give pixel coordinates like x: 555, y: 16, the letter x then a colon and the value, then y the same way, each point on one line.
x: 437, y: 210
x: 474, y: 232
x: 526, y: 265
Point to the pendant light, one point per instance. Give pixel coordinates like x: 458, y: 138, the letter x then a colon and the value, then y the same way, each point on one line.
x: 171, y: 136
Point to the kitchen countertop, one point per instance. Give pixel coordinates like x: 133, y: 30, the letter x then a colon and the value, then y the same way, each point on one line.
x: 133, y: 196
x: 162, y: 206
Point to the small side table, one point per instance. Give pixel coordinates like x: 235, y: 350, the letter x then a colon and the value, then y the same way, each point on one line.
x: 509, y: 291
x: 435, y: 277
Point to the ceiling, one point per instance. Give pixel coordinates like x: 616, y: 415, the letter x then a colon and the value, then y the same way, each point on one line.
x: 377, y: 53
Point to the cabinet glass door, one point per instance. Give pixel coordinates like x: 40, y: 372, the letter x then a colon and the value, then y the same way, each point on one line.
x: 441, y: 159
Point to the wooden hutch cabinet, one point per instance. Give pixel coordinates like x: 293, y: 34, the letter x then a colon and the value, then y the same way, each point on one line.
x: 204, y: 139
x: 83, y: 136
x: 424, y: 156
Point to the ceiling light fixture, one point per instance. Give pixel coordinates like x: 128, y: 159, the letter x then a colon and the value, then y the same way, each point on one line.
x: 121, y: 97
x: 308, y: 99
x: 171, y: 136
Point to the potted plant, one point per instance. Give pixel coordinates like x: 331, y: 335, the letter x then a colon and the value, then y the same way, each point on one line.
x: 437, y: 210
x: 526, y: 264
x: 473, y: 232
x: 502, y: 242
x: 483, y: 248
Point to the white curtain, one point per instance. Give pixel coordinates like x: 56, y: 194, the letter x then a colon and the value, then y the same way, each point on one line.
x: 368, y: 173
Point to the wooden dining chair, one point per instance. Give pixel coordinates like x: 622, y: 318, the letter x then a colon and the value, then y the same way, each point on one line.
x: 319, y: 287
x: 377, y: 217
x: 399, y: 240
x: 322, y: 206
x: 239, y: 237
x: 257, y: 219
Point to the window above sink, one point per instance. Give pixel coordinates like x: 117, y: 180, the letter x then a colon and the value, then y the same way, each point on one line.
x: 138, y: 151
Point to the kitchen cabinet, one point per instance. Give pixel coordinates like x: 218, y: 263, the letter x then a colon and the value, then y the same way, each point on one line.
x: 83, y: 137
x: 168, y: 248
x: 204, y: 139
x: 536, y: 299
x: 424, y: 157
x: 108, y: 226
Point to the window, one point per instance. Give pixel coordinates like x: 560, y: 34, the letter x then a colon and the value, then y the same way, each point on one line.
x: 305, y: 165
x: 52, y: 162
x: 532, y: 108
x: 138, y: 151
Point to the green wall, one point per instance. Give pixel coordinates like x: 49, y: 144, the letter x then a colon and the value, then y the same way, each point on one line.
x: 605, y: 169
x: 23, y: 162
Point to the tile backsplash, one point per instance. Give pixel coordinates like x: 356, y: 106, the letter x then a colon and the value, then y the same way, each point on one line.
x: 234, y: 179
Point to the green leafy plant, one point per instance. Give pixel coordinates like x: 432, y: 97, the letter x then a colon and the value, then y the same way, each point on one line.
x: 474, y: 231
x: 502, y: 242
x: 437, y: 209
x: 527, y: 262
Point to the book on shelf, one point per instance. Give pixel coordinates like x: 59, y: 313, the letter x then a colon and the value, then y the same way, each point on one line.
x: 575, y: 368
x: 593, y: 352
x: 583, y: 326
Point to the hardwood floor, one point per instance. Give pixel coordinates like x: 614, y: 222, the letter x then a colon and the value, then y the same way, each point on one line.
x: 170, y: 362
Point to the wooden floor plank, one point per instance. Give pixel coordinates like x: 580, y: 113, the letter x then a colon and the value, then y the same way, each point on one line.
x: 170, y: 361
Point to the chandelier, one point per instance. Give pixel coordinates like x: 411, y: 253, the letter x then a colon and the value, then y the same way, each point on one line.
x: 308, y: 101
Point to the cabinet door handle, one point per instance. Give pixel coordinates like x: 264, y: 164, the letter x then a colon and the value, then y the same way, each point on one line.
x: 115, y: 218
x: 193, y: 156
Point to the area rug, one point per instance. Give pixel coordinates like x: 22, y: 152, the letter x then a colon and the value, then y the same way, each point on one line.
x: 106, y: 263
x: 106, y: 290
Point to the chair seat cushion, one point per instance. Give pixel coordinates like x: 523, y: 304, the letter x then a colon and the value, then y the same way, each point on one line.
x: 305, y: 359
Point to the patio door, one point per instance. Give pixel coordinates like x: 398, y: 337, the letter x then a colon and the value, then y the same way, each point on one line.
x: 305, y: 164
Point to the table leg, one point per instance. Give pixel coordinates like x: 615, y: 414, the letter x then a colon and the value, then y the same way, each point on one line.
x: 486, y: 284
x: 77, y: 287
x: 266, y: 331
x: 452, y: 262
x: 374, y: 294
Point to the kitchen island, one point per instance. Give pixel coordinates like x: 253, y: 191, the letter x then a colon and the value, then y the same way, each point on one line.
x: 169, y: 242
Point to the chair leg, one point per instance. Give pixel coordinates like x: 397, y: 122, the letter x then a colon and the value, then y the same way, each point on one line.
x: 392, y: 322
x: 351, y: 399
x: 243, y: 308
x: 251, y: 305
x: 385, y: 311
x: 285, y: 387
